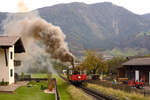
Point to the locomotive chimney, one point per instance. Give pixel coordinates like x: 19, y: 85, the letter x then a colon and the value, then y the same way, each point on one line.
x: 72, y: 63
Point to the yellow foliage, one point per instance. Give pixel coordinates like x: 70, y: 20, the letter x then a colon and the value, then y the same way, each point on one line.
x: 93, y: 62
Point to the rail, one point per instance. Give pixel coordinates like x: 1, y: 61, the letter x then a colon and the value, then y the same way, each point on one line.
x: 57, y: 97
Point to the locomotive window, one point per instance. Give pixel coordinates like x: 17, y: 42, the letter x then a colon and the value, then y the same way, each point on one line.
x: 76, y: 72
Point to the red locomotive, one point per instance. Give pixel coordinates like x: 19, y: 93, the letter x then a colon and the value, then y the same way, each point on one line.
x: 76, y: 76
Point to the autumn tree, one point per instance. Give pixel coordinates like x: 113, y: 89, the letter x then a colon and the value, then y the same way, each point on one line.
x: 115, y: 62
x: 93, y: 63
x: 59, y: 66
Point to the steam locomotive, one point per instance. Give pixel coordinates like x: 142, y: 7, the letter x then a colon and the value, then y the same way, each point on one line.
x: 76, y: 76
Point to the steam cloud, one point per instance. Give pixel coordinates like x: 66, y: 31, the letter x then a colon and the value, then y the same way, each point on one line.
x: 22, y: 7
x: 32, y: 28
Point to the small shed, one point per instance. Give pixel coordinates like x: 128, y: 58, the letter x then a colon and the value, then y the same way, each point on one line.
x: 137, y: 68
x: 9, y: 46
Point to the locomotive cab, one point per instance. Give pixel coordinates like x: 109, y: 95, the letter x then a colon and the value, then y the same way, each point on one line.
x: 76, y: 76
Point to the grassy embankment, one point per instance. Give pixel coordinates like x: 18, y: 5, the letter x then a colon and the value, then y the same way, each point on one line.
x: 121, y: 95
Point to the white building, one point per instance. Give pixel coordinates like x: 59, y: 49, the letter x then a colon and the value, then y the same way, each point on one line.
x: 9, y: 46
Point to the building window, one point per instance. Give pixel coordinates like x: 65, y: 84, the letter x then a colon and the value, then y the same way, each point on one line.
x: 11, y: 55
x: 11, y: 72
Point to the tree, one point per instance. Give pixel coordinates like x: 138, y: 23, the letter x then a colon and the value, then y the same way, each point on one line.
x: 115, y: 62
x: 93, y: 63
x: 59, y: 66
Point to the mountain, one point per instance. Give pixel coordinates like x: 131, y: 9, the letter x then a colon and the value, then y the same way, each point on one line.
x: 100, y: 26
x: 147, y: 16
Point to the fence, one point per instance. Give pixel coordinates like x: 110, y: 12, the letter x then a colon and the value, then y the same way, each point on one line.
x: 57, y: 97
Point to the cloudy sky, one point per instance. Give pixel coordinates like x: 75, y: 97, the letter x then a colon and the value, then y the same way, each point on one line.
x: 136, y: 6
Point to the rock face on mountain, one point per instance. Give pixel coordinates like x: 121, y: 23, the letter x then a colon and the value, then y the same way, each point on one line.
x: 100, y: 25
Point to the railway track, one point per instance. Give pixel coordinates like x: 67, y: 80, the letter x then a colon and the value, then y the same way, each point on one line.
x: 97, y: 95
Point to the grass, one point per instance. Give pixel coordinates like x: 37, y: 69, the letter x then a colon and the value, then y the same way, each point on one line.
x: 28, y: 93
x: 121, y: 95
x: 127, y: 51
x: 39, y: 75
x: 78, y: 94
x: 64, y: 75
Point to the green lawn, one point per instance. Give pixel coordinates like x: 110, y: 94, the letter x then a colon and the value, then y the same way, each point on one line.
x: 61, y: 84
x: 66, y: 91
x: 35, y: 93
x: 28, y: 93
x: 39, y: 76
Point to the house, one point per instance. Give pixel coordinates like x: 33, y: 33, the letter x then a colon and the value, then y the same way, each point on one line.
x: 137, y: 69
x: 9, y: 46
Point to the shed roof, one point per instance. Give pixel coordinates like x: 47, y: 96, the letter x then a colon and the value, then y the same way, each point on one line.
x: 137, y: 61
x: 6, y: 41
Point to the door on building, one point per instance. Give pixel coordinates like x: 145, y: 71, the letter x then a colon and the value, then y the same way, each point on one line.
x: 146, y: 78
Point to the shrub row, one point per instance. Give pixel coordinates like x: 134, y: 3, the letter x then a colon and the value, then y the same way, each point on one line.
x: 4, y: 83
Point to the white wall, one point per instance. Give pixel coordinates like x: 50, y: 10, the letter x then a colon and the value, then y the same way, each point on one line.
x: 4, y: 70
x: 11, y: 64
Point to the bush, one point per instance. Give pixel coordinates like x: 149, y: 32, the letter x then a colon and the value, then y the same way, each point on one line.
x: 22, y: 75
x: 32, y: 83
x: 4, y: 83
x: 43, y: 87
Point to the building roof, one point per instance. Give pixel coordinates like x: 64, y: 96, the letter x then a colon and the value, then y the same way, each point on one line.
x: 137, y: 61
x: 7, y: 41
